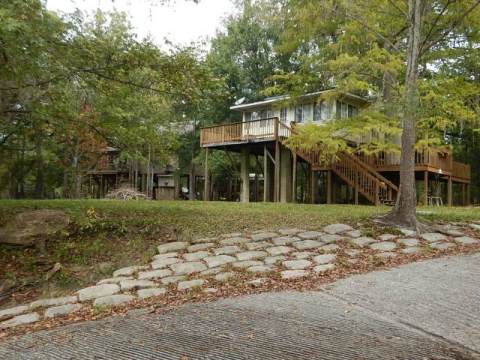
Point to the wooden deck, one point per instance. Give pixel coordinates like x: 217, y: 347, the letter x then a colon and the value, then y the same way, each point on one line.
x: 439, y: 161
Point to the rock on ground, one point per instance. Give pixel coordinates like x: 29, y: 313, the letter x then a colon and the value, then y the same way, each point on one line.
x: 20, y: 320
x: 29, y: 227
x: 62, y: 310
x: 97, y: 291
x: 113, y: 300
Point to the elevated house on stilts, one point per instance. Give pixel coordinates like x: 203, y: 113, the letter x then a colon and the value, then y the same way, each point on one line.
x: 283, y: 175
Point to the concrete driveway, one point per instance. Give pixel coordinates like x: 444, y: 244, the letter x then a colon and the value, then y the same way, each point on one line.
x: 426, y: 310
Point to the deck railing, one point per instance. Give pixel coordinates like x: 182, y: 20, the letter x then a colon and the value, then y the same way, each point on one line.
x: 273, y: 129
x: 440, y: 160
x: 245, y: 131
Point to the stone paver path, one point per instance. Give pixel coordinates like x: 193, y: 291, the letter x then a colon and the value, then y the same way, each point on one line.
x: 204, y: 264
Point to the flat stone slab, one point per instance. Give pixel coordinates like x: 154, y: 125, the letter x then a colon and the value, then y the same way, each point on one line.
x: 154, y: 274
x: 310, y: 235
x: 172, y: 279
x: 285, y: 240
x: 128, y: 271
x: 387, y: 237
x: 235, y: 241
x: 264, y: 236
x: 257, y: 245
x: 307, y: 244
x: 114, y: 280
x: 97, y: 291
x: 466, y: 240
x: 433, y: 237
x: 270, y: 260
x: 189, y: 284
x: 330, y: 247
x: 61, y: 310
x: 199, y: 247
x: 290, y: 231
x: 303, y: 254
x: 325, y: 258
x: 148, y: 293
x: 441, y: 245
x: 166, y: 255
x: 279, y: 250
x: 337, y: 228
x: 331, y: 238
x: 53, y: 302
x: 127, y: 285
x: 227, y: 250
x: 113, y: 300
x: 20, y: 320
x: 293, y: 274
x: 17, y: 310
x: 354, y: 233
x: 251, y: 255
x: 409, y: 242
x: 408, y: 232
x: 383, y: 246
x: 411, y: 250
x: 188, y: 267
x: 352, y: 252
x: 219, y: 260
x: 297, y: 264
x: 259, y: 269
x: 362, y: 241
x: 323, y: 268
x: 163, y: 263
x: 195, y: 256
x: 246, y: 264
x: 173, y: 246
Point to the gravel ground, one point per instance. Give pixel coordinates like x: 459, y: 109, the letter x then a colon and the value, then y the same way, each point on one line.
x: 424, y: 310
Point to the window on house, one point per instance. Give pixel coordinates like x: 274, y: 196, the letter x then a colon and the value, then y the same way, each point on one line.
x: 299, y: 113
x: 255, y: 115
x: 283, y: 115
x: 307, y: 112
x: 352, y: 111
x: 321, y: 111
x: 344, y: 110
x: 247, y: 115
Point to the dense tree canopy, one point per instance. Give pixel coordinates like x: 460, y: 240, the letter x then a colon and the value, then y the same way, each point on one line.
x: 71, y: 86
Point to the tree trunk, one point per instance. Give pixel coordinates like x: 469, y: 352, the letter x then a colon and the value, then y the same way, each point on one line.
x: 40, y: 177
x: 403, y: 213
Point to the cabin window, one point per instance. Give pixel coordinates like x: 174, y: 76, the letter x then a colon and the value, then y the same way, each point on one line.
x: 345, y: 110
x: 255, y: 115
x: 283, y: 115
x: 352, y: 111
x: 321, y: 111
x: 299, y: 113
x: 307, y: 112
x: 247, y: 115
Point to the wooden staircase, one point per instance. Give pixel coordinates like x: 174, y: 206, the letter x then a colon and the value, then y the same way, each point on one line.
x: 356, y: 173
x: 371, y: 184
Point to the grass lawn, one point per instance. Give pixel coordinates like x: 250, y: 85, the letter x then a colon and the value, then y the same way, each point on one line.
x: 107, y: 234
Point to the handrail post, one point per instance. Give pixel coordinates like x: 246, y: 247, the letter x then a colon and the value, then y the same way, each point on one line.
x: 275, y: 128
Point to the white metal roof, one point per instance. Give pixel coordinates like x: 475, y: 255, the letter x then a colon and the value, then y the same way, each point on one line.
x: 280, y: 98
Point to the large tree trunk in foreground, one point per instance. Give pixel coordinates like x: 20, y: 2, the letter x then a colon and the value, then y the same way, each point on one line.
x: 403, y: 214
